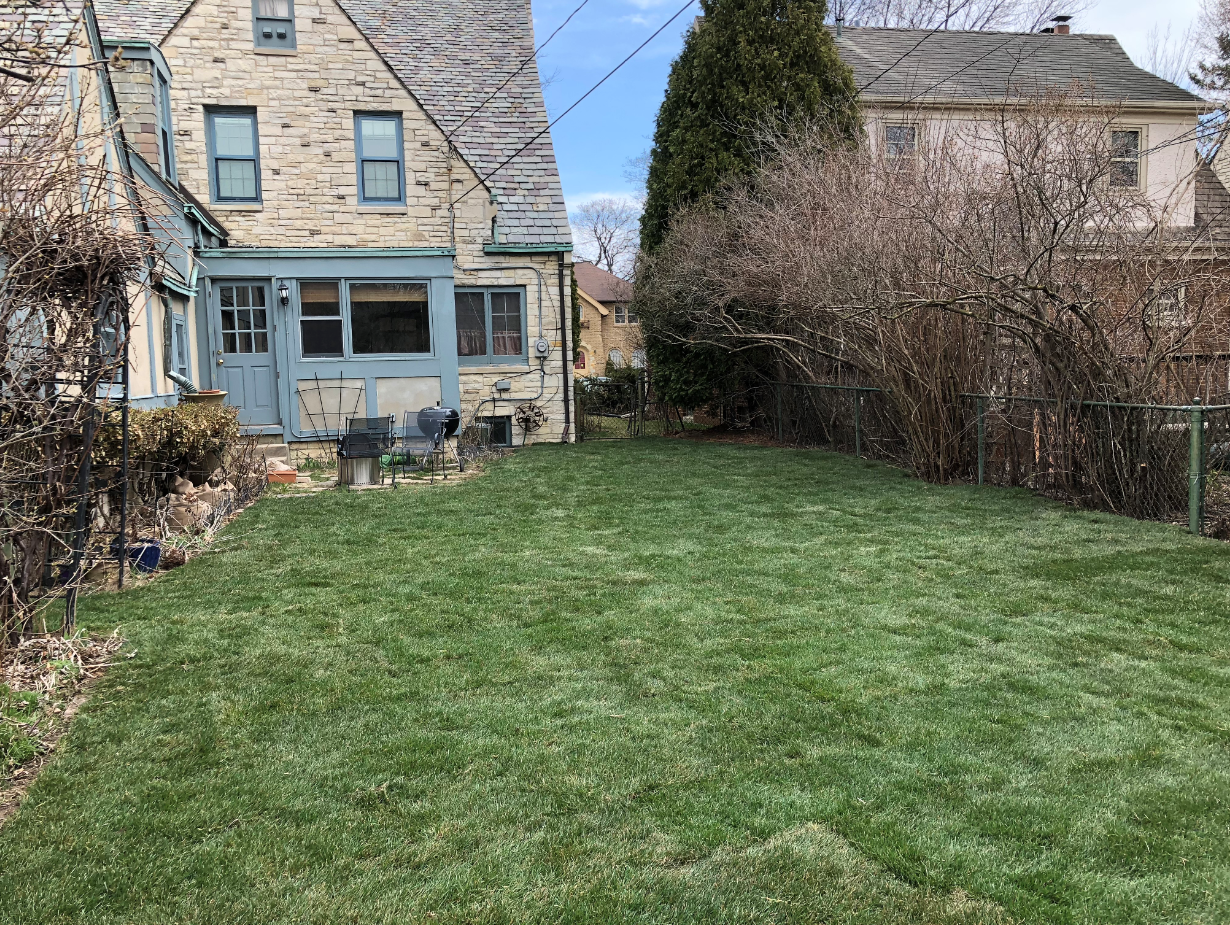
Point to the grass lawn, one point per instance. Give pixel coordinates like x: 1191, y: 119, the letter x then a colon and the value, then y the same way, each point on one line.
x: 653, y: 681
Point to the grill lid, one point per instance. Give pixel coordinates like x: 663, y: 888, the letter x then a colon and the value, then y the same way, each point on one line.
x: 435, y: 420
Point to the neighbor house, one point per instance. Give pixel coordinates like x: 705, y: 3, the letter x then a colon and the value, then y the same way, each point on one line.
x: 610, y: 329
x: 364, y: 211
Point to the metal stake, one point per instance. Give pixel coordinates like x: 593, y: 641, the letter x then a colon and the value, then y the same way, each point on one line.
x: 982, y: 441
x: 858, y: 423
x: 1195, y: 469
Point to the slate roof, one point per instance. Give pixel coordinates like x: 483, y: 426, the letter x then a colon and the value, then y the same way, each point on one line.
x: 451, y: 54
x: 600, y: 285
x: 902, y: 64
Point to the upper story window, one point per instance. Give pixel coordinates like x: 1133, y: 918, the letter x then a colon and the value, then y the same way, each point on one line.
x: 625, y: 315
x: 490, y: 326
x: 166, y: 137
x: 381, y: 158
x: 273, y: 23
x: 234, y: 161
x: 1125, y: 157
x: 900, y: 142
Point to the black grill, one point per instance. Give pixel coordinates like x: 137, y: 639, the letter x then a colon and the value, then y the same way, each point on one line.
x: 439, y: 421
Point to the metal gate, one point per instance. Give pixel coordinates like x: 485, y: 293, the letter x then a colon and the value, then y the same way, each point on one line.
x: 609, y: 409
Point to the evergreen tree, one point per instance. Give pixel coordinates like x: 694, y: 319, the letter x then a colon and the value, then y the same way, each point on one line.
x: 747, y: 63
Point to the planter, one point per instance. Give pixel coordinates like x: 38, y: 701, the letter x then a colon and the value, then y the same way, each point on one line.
x: 204, y: 397
x: 283, y: 476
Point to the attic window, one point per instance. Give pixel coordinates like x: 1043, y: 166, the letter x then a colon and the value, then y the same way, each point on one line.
x: 900, y: 142
x: 273, y: 23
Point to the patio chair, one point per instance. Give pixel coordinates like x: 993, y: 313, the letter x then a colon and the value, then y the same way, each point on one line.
x: 364, y: 438
x: 422, y: 438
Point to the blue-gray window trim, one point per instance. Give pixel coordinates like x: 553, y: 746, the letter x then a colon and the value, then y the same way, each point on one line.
x: 210, y: 113
x: 348, y: 354
x: 166, y: 129
x: 395, y: 118
x: 258, y: 22
x: 490, y: 359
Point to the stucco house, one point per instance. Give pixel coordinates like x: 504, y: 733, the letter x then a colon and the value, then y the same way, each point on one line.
x: 918, y: 86
x: 610, y: 329
x: 362, y: 207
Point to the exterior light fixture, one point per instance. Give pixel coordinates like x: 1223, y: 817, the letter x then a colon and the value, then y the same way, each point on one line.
x: 283, y: 293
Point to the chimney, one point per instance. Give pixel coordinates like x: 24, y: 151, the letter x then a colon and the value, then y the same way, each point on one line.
x: 1062, y: 26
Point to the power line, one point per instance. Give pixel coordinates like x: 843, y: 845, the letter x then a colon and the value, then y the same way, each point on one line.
x: 520, y: 68
x: 483, y: 179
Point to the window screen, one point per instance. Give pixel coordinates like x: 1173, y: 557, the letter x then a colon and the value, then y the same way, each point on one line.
x: 506, y: 324
x: 471, y: 324
x: 389, y: 318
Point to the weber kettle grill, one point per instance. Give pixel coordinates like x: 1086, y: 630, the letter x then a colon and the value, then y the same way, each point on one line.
x: 434, y: 426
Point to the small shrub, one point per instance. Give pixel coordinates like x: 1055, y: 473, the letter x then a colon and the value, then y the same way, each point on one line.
x: 184, y: 438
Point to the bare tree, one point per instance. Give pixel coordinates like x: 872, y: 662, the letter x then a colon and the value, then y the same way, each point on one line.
x: 607, y: 232
x: 1015, y: 257
x: 1169, y: 54
x: 1009, y: 15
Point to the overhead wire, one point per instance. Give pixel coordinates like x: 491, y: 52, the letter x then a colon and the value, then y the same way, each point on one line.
x: 520, y: 68
x: 609, y: 74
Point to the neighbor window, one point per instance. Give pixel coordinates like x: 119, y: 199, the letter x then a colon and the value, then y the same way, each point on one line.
x: 381, y: 159
x: 233, y: 149
x: 615, y: 358
x: 638, y: 359
x: 273, y: 23
x: 490, y: 326
x: 1125, y: 157
x: 166, y: 138
x: 900, y: 142
x: 389, y: 318
x: 320, y: 319
x: 1168, y: 308
x: 625, y: 315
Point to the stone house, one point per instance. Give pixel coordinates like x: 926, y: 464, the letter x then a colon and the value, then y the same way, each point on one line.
x: 362, y: 208
x: 610, y: 330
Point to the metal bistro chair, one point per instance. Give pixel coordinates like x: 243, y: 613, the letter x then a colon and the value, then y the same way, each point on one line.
x: 365, y: 439
x: 424, y: 434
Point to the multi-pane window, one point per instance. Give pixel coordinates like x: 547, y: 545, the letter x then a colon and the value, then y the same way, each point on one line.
x: 166, y: 138
x: 389, y: 318
x: 179, y: 327
x: 900, y: 142
x: 245, y: 320
x: 320, y: 319
x: 273, y: 23
x: 381, y: 158
x: 490, y: 325
x: 233, y: 150
x: 1168, y: 308
x: 348, y: 319
x: 625, y: 315
x: 1125, y: 157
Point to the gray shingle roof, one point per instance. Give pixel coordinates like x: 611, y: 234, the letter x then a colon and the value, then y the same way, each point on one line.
x: 951, y: 65
x: 451, y: 54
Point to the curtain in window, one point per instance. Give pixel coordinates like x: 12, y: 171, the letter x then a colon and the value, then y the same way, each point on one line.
x: 471, y: 324
x: 506, y: 324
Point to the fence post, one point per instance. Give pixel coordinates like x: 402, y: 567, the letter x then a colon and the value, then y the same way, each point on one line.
x: 780, y: 428
x: 858, y: 423
x: 1195, y: 468
x: 982, y: 441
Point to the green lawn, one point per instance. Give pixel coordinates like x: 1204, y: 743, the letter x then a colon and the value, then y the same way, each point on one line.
x: 653, y: 681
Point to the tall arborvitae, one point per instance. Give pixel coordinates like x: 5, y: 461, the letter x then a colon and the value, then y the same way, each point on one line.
x: 747, y: 64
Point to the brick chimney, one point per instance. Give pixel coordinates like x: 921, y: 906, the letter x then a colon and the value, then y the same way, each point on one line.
x: 1062, y: 26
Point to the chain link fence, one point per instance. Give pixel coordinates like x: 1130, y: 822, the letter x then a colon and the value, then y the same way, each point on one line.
x: 1168, y: 463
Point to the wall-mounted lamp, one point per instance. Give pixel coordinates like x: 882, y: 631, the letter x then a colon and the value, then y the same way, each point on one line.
x: 284, y: 293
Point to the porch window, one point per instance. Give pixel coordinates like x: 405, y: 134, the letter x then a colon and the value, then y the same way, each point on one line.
x: 389, y: 318
x: 320, y: 319
x: 273, y: 23
x: 235, y: 176
x: 490, y: 326
x: 381, y: 158
x: 1125, y: 158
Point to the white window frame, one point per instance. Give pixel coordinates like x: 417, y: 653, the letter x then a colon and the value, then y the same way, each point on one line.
x: 1142, y: 140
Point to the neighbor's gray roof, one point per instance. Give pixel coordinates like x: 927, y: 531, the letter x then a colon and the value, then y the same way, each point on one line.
x: 451, y: 54
x: 904, y: 64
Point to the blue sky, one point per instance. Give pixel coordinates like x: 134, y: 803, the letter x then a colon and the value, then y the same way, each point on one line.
x: 595, y: 141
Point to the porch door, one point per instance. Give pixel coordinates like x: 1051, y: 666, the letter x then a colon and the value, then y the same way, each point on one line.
x: 247, y: 366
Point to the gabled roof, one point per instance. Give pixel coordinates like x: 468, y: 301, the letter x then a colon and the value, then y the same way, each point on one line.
x: 451, y: 54
x: 916, y: 64
x: 600, y: 285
